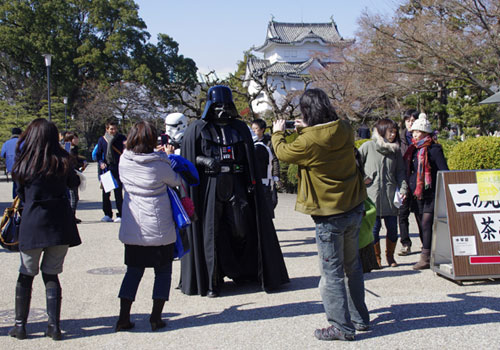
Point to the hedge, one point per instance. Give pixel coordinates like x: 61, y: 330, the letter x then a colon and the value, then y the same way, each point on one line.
x: 475, y: 153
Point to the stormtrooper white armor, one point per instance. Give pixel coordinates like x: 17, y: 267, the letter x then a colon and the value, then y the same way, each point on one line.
x: 175, y: 126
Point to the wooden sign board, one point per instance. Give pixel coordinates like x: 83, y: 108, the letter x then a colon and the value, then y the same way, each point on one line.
x: 466, y: 231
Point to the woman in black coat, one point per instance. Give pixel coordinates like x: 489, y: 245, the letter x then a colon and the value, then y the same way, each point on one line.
x: 424, y: 159
x: 43, y: 171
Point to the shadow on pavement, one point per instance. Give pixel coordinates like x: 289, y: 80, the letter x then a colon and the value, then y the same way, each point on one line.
x: 301, y: 283
x: 385, y: 321
x: 297, y: 242
x: 299, y: 254
x: 239, y: 313
x: 4, y: 205
x: 458, y: 313
x: 88, y: 327
x: 87, y: 205
x: 388, y: 272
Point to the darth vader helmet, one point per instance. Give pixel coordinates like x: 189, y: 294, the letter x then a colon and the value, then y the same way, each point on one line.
x: 220, y: 105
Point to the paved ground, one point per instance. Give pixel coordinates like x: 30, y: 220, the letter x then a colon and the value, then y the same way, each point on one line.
x: 409, y: 310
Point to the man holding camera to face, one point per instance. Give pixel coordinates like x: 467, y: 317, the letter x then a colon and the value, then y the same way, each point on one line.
x: 332, y: 191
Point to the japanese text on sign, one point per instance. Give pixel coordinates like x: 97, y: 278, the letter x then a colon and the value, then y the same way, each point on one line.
x: 466, y: 199
x: 488, y: 225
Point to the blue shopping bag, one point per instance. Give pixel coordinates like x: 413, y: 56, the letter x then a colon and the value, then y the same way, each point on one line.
x: 182, y: 221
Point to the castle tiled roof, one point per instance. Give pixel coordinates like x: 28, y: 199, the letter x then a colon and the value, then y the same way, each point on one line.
x: 290, y: 33
x: 257, y: 67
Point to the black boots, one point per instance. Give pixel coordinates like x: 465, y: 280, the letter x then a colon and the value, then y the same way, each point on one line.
x: 54, y: 299
x: 23, y: 299
x: 123, y: 322
x: 155, y: 318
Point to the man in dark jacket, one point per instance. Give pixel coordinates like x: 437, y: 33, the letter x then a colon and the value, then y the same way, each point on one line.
x: 404, y: 210
x: 259, y: 128
x: 109, y: 149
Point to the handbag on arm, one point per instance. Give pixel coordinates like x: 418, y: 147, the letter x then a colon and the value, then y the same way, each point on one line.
x: 11, y: 220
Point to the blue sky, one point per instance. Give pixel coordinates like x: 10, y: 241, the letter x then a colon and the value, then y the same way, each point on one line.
x: 216, y: 33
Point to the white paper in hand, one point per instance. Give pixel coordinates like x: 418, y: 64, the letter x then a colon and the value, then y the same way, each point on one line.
x: 108, y: 182
x: 398, y: 200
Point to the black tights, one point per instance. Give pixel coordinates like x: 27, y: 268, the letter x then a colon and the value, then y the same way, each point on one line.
x: 50, y: 281
x: 425, y: 222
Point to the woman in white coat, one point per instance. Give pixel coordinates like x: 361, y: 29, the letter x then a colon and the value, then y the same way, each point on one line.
x: 147, y: 228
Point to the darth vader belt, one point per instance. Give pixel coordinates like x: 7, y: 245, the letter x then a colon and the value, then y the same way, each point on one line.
x: 227, y: 169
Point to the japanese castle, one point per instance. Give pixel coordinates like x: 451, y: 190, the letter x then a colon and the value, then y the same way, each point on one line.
x: 289, y: 52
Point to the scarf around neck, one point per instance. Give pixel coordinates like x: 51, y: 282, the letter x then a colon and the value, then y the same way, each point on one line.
x: 109, y: 150
x: 409, y: 138
x: 424, y: 177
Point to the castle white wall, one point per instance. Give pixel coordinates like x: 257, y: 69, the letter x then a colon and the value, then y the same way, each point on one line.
x: 285, y: 53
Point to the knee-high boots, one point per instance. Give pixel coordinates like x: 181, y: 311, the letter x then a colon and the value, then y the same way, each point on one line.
x: 389, y: 252
x: 22, y: 306
x: 54, y: 299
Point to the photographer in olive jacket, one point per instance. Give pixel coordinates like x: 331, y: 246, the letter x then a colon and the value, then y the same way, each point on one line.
x: 331, y: 190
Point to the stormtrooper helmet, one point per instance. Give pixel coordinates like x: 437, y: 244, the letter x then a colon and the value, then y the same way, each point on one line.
x: 175, y: 126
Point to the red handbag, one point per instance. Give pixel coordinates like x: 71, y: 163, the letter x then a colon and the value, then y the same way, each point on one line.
x: 188, y: 205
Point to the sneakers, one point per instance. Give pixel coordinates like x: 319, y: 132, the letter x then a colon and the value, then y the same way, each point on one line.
x: 332, y: 333
x: 360, y: 327
x: 405, y: 250
x: 106, y: 219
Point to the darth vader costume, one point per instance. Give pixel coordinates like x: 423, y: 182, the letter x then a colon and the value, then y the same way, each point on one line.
x: 233, y: 236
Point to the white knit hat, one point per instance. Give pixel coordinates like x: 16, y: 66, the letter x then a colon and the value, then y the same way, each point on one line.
x: 422, y: 124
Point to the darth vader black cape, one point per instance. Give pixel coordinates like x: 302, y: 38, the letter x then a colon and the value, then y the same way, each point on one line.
x: 269, y: 268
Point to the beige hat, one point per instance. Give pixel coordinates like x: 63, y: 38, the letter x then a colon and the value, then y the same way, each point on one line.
x: 422, y: 124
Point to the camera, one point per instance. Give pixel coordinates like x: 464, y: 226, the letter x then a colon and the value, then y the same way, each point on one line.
x: 290, y: 124
x: 162, y: 140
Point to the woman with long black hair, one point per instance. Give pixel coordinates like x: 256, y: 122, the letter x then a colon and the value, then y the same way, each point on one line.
x: 43, y: 171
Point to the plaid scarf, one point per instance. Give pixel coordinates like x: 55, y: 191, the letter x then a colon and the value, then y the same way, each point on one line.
x: 424, y: 178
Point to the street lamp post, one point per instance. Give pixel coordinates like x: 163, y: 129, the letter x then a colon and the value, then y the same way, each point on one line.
x: 65, y: 100
x: 48, y: 61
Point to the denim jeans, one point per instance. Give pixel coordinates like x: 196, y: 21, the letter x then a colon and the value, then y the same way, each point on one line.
x: 342, y: 284
x: 133, y: 276
x: 391, y: 224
